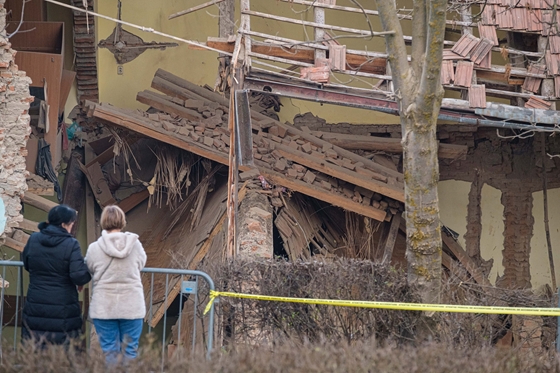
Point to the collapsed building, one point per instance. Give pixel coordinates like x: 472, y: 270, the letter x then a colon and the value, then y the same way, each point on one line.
x: 313, y: 188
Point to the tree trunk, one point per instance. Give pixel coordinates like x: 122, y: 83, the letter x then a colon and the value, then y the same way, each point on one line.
x: 421, y: 174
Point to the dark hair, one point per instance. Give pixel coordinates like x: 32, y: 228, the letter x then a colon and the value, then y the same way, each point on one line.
x: 62, y: 214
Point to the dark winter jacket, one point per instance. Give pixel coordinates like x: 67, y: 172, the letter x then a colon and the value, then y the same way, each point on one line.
x: 55, y: 264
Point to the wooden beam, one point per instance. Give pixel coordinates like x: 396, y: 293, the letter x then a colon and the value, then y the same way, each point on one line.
x: 38, y: 202
x: 102, y: 158
x: 13, y: 244
x: 92, y: 222
x: 28, y: 225
x: 133, y: 200
x: 159, y: 102
x: 73, y: 186
x: 145, y: 128
x: 391, y: 238
x: 323, y: 195
x: 387, y: 144
x: 340, y: 173
x: 366, y: 64
x: 465, y: 260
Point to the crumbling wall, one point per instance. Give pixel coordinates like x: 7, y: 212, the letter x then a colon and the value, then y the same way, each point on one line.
x: 518, y: 215
x: 14, y: 128
x: 255, y: 226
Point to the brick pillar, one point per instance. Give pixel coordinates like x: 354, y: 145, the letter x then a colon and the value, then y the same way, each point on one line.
x: 255, y: 226
x: 518, y: 230
x: 14, y: 128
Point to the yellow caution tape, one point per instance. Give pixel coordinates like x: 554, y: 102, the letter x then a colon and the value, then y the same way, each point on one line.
x: 527, y: 311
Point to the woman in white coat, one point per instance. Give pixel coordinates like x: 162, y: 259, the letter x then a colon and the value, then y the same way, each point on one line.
x: 117, y: 306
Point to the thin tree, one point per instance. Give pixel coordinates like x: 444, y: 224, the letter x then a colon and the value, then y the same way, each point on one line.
x: 419, y: 93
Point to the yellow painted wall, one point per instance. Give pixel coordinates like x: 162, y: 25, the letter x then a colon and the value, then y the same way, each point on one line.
x: 197, y: 66
x: 540, y: 268
x: 200, y: 66
x: 492, y: 237
x: 453, y: 200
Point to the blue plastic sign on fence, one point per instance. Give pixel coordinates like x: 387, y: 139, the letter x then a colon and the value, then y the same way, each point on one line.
x: 189, y: 287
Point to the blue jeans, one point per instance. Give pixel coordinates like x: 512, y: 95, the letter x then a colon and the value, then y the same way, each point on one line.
x: 118, y: 335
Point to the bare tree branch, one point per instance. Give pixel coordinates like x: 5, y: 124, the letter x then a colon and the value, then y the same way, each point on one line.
x: 430, y: 80
x: 419, y: 30
x: 396, y: 49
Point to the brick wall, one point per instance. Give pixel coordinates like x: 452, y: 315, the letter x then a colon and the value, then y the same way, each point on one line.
x: 14, y: 128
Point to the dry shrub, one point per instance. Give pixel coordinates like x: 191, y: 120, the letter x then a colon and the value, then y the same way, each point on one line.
x: 265, y: 322
x: 250, y: 321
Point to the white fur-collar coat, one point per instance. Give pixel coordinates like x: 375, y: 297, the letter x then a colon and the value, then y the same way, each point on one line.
x: 117, y: 285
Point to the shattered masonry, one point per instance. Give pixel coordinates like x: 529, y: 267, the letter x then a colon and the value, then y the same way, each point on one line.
x: 14, y: 128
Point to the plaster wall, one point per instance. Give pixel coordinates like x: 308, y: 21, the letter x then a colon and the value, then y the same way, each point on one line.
x: 200, y: 67
x: 453, y: 197
x: 540, y: 268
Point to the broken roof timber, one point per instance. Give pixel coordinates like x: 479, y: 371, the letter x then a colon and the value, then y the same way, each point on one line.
x: 143, y: 126
x: 367, y: 64
x: 350, y: 98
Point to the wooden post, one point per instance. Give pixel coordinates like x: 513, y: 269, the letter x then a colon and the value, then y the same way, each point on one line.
x: 546, y: 223
x: 466, y: 16
x: 246, y: 26
x: 232, y: 247
x: 319, y: 17
x: 547, y: 85
x: 391, y: 238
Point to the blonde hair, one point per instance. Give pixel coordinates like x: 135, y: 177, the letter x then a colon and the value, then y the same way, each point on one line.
x: 112, y: 218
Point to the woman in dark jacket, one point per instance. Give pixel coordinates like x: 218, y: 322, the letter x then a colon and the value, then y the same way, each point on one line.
x: 56, y: 267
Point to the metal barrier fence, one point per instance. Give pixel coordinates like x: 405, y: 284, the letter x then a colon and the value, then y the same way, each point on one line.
x: 188, y: 288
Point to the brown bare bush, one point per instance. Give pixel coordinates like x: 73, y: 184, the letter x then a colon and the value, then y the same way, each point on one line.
x: 264, y: 322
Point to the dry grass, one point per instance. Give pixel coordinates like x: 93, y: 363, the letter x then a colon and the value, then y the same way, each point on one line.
x: 288, y: 357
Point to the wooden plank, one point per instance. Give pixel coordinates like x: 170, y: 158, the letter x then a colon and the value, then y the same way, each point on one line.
x: 13, y: 244
x: 159, y: 102
x: 133, y: 200
x: 391, y: 238
x: 102, y: 158
x: 323, y: 195
x: 340, y: 172
x: 136, y: 125
x: 38, y: 201
x: 73, y: 186
x: 28, y: 225
x: 175, y: 289
x: 387, y: 144
x: 92, y: 223
x: 96, y: 179
x: 66, y: 83
x: 366, y: 64
x: 465, y: 260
